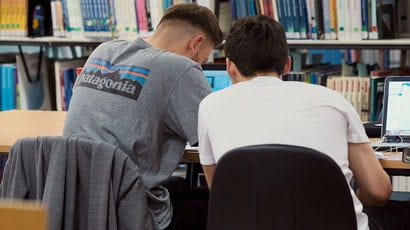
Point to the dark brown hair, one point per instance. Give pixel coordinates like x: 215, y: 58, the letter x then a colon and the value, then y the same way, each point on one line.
x: 257, y: 44
x: 198, y: 16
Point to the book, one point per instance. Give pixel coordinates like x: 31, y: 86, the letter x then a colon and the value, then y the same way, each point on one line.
x: 386, y: 20
x: 326, y: 19
x: 341, y: 19
x: 303, y: 19
x: 60, y: 92
x: 142, y: 16
x: 333, y: 19
x: 373, y: 20
x: 319, y: 19
x: 356, y: 12
x: 365, y: 19
x: 275, y: 10
x: 311, y: 14
x: 69, y: 77
x: 295, y: 17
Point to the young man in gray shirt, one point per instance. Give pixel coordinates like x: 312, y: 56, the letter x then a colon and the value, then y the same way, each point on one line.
x: 143, y: 96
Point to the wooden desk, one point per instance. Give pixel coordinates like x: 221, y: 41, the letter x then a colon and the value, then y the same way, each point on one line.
x: 16, y: 124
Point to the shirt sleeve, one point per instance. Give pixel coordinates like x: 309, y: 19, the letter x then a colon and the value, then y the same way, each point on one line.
x: 184, y: 102
x: 206, y: 156
x: 355, y: 128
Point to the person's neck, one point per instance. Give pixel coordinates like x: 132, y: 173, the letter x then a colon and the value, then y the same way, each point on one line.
x: 241, y: 78
x: 163, y: 43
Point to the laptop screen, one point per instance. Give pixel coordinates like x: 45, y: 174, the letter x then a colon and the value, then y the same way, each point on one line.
x: 396, y: 120
x: 217, y: 76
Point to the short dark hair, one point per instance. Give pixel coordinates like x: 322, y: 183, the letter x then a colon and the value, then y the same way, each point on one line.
x: 257, y: 44
x: 198, y: 16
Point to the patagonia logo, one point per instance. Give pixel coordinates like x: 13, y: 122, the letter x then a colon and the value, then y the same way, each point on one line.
x: 126, y: 81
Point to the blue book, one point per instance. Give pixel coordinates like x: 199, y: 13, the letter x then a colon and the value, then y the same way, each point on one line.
x: 10, y: 87
x: 2, y: 87
x: 95, y: 15
x: 252, y: 8
x: 233, y: 9
x: 295, y: 17
x: 69, y: 79
x: 104, y: 11
x: 241, y: 8
x: 303, y: 19
x: 365, y: 20
x: 84, y: 5
x: 281, y: 14
x: 65, y: 15
x: 290, y: 28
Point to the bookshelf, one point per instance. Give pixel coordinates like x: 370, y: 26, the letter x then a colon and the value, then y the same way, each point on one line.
x: 49, y: 41
x: 349, y: 44
x: 293, y: 44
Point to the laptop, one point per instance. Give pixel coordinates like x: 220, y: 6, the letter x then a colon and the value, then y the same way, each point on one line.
x: 217, y: 76
x: 395, y: 131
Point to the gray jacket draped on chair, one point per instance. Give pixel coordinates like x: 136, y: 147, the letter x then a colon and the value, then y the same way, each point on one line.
x: 85, y: 184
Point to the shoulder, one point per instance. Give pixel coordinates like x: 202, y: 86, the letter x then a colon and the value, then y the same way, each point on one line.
x: 110, y: 48
x: 220, y: 98
x: 314, y: 90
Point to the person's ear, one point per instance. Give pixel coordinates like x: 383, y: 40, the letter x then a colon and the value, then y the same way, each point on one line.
x: 232, y: 70
x: 194, y: 43
x: 287, y: 67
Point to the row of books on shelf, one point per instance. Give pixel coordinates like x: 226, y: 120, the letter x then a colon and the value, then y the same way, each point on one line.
x: 400, y: 183
x: 95, y: 19
x: 50, y: 90
x: 332, y: 19
x: 364, y: 92
x: 127, y: 19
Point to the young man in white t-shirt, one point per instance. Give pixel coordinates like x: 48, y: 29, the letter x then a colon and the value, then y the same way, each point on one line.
x: 260, y: 108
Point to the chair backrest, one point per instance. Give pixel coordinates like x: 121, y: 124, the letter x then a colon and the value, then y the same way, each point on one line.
x: 276, y: 186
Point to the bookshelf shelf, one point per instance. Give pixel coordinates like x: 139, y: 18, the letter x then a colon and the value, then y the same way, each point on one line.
x: 48, y: 41
x: 359, y: 44
x: 293, y: 44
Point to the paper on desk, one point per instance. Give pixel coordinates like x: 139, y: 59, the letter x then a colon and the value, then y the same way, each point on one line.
x: 192, y: 148
x: 380, y: 155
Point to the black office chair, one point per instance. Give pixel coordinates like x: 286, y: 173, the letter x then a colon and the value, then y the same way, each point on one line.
x: 282, y: 187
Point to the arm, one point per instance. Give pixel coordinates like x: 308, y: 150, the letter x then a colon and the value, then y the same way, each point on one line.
x: 209, y: 173
x: 374, y: 187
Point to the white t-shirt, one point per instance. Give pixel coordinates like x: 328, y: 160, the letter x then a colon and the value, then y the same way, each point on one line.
x: 268, y: 110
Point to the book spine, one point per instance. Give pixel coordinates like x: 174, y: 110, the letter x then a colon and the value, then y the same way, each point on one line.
x: 233, y: 9
x: 290, y: 27
x: 3, y: 87
x: 326, y: 19
x: 374, y: 33
x: 333, y: 19
x: 357, y: 19
x: 303, y: 18
x: 348, y: 21
x: 295, y: 17
x: 340, y: 19
x: 275, y: 10
x: 282, y: 16
x: 365, y: 21
x: 319, y: 19
x: 142, y: 19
